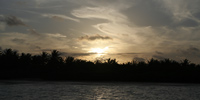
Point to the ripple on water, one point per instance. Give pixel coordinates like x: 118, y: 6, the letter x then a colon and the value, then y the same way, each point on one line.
x: 28, y: 90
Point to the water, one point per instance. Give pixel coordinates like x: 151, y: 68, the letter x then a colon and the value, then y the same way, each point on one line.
x: 29, y: 90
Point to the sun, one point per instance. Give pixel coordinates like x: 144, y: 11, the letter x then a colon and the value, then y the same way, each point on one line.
x: 98, y: 50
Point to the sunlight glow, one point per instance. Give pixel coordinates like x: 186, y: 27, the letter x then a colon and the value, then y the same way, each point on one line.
x: 98, y: 50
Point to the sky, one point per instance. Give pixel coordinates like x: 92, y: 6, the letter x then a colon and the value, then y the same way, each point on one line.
x: 102, y: 29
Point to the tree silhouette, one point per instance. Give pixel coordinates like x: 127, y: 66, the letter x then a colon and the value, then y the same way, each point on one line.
x: 185, y: 63
x: 10, y: 57
x: 111, y: 61
x: 52, y: 66
x: 55, y: 58
x: 25, y: 59
x: 69, y: 60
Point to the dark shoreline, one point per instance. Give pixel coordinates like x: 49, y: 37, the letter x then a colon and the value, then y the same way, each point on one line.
x: 98, y: 81
x: 52, y: 67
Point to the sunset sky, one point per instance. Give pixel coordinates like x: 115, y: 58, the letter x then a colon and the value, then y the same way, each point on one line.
x: 101, y: 29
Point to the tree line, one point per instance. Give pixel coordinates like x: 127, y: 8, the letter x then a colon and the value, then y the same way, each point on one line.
x: 51, y: 66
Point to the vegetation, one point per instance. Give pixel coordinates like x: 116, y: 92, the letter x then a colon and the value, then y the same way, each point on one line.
x: 53, y: 67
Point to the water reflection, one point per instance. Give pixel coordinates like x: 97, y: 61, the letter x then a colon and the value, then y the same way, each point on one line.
x: 97, y: 91
x: 102, y: 93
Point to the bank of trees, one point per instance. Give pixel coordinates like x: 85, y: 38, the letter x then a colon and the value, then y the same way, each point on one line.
x: 51, y: 66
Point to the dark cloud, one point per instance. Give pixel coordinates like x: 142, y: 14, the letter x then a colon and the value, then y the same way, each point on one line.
x: 191, y: 53
x: 124, y: 54
x: 188, y: 23
x: 34, y: 47
x: 33, y: 31
x: 95, y: 37
x: 21, y: 3
x: 158, y: 57
x: 20, y: 41
x: 148, y: 13
x: 153, y: 13
x: 37, y: 47
x: 12, y: 20
x: 46, y: 50
x: 193, y: 49
x: 76, y: 54
x: 197, y: 15
x: 139, y: 59
x: 160, y: 53
x: 57, y: 18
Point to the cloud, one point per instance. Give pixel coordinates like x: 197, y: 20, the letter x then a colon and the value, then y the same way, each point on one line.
x: 154, y: 28
x: 158, y: 13
x: 197, y: 15
x: 188, y: 23
x: 148, y: 13
x: 125, y: 35
x: 95, y: 37
x: 183, y: 12
x: 34, y: 44
x: 180, y: 9
x: 192, y: 53
x: 190, y: 50
x: 2, y: 26
x: 33, y: 31
x: 21, y: 3
x: 100, y: 13
x: 12, y: 20
x: 160, y: 53
x: 115, y: 22
x: 158, y: 57
x: 76, y: 54
x: 193, y: 49
x: 60, y: 17
x: 57, y: 35
x: 139, y: 59
x: 19, y: 41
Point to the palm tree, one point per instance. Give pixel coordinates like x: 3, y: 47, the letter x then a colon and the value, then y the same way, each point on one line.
x: 25, y: 59
x: 44, y: 58
x: 185, y: 62
x: 69, y: 60
x: 154, y: 63
x: 55, y: 58
x: 111, y: 61
x: 10, y: 56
